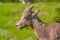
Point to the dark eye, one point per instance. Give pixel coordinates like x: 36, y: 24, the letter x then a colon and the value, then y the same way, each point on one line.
x: 24, y: 18
x: 20, y: 24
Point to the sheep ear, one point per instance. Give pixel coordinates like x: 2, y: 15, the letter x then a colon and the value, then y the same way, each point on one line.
x: 35, y: 13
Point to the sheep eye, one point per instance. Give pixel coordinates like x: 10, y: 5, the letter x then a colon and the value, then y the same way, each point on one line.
x: 24, y: 18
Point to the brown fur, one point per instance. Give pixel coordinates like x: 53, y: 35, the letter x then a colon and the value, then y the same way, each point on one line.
x: 42, y: 30
x: 46, y: 31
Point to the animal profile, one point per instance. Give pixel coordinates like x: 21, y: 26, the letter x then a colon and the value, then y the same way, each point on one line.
x: 42, y: 30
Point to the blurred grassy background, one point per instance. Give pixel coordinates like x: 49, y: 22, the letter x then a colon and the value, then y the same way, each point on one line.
x: 10, y: 13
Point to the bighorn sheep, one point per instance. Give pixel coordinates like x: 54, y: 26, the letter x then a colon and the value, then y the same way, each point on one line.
x: 42, y: 30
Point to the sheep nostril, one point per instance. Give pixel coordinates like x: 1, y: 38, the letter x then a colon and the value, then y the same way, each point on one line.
x: 17, y: 25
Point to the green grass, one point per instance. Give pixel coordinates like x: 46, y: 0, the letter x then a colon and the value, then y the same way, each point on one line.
x: 10, y: 13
